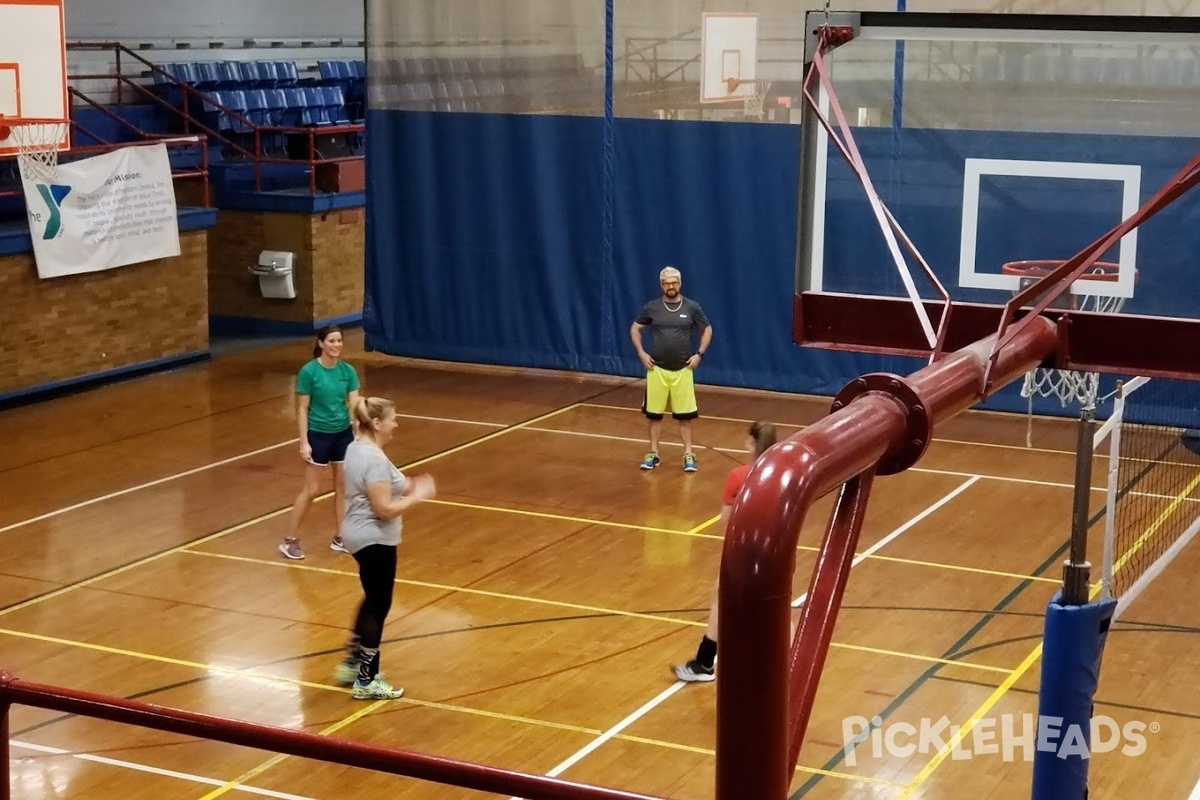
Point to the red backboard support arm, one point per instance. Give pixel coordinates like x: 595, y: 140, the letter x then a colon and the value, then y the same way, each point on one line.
x: 880, y: 424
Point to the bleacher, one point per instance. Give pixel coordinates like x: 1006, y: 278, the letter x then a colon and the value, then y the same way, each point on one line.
x: 265, y: 93
x: 498, y: 83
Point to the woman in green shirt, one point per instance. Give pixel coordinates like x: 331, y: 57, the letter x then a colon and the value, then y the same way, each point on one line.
x: 326, y: 389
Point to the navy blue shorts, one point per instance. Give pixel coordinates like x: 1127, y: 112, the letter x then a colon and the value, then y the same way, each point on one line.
x: 329, y: 448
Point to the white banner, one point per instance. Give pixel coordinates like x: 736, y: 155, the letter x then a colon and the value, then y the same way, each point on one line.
x: 107, y: 211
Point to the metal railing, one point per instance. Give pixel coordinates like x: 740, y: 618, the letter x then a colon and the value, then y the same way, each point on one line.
x: 128, y: 89
x: 436, y: 769
x: 199, y: 173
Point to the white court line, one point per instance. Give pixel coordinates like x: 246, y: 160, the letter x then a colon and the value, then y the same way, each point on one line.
x: 591, y: 746
x: 870, y: 551
x: 490, y: 425
x: 663, y: 695
x: 213, y: 465
x: 141, y: 486
x: 112, y: 762
x: 1195, y: 795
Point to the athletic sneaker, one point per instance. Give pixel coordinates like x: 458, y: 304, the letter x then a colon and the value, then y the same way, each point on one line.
x: 378, y: 689
x: 337, y: 546
x: 650, y: 461
x: 694, y: 672
x: 291, y: 549
x: 346, y: 673
x: 689, y: 463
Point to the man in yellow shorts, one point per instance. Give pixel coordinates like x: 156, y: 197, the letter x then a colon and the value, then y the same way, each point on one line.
x: 673, y: 320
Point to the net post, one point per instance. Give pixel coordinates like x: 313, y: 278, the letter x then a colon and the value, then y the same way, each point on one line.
x: 5, y: 762
x: 1110, y: 501
x: 1077, y: 570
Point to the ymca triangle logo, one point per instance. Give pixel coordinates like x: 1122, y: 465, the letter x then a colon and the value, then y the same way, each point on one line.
x: 53, y: 195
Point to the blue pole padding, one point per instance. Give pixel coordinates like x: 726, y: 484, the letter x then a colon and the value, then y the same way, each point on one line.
x: 1072, y: 647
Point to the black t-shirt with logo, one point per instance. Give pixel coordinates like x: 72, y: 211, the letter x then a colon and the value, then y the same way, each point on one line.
x: 671, y: 327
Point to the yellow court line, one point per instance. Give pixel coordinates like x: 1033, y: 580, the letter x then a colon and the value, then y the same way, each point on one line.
x: 560, y: 517
x: 916, y: 657
x: 955, y: 567
x: 574, y: 606
x: 710, y: 521
x: 697, y: 531
x: 488, y: 437
x: 707, y: 751
x: 446, y: 588
x: 246, y: 673
x: 406, y: 701
x: 275, y: 760
x: 264, y: 517
x: 1036, y: 653
x: 935, y: 439
x: 706, y: 416
x: 974, y: 719
x: 178, y: 662
x: 142, y: 562
x: 1149, y: 533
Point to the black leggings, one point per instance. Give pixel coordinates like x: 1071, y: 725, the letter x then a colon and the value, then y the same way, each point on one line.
x: 377, y: 573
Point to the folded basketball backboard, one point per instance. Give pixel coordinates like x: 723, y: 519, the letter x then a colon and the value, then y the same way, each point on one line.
x: 33, y: 66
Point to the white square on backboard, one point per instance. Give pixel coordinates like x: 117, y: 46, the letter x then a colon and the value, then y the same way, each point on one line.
x: 1130, y: 177
x: 722, y: 35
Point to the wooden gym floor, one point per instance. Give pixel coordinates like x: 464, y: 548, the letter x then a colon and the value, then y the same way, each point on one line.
x: 540, y: 599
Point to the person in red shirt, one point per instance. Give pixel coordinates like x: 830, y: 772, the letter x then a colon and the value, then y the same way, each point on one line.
x: 702, y: 668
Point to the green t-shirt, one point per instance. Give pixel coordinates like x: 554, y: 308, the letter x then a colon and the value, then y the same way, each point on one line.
x: 327, y: 390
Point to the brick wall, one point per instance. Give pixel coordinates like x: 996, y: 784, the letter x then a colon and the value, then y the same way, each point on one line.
x: 339, y: 253
x: 328, y: 269
x: 235, y: 243
x: 77, y: 325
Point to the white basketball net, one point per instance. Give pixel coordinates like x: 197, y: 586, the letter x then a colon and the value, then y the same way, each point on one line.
x: 752, y: 104
x: 37, y: 145
x: 1067, y: 385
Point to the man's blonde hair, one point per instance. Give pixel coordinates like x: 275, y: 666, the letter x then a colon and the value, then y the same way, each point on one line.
x: 670, y: 272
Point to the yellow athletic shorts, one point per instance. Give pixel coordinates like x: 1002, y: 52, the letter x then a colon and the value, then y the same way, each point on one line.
x: 674, y: 390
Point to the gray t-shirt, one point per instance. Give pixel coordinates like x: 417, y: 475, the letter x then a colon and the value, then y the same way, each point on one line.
x: 671, y: 330
x: 365, y: 464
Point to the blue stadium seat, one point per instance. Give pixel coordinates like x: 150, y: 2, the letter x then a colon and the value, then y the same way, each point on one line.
x: 314, y: 112
x: 207, y: 76
x: 287, y: 73
x: 236, y: 101
x: 295, y: 104
x: 277, y: 103
x: 256, y: 106
x: 422, y: 96
x: 229, y: 75
x: 268, y: 75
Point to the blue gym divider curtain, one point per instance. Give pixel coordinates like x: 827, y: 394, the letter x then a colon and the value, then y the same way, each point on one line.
x: 526, y: 183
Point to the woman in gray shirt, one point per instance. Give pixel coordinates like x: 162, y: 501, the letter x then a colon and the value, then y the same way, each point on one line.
x: 376, y: 495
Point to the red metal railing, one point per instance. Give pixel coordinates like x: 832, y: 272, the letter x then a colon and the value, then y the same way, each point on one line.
x: 198, y: 141
x: 281, y: 740
x: 880, y: 424
x: 127, y: 87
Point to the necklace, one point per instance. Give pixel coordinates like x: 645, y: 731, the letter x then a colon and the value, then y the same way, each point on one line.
x: 676, y: 308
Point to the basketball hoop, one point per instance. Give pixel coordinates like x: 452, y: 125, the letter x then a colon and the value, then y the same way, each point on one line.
x: 37, y: 142
x: 1067, y: 385
x: 752, y: 103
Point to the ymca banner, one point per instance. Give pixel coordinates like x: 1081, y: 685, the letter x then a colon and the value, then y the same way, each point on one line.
x: 102, y: 212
